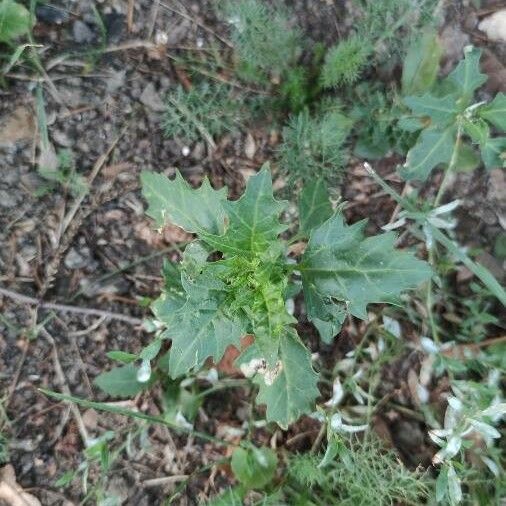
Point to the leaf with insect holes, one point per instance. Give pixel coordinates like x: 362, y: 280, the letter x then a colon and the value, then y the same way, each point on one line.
x: 433, y: 147
x: 495, y: 112
x: 441, y: 110
x: 314, y: 205
x: 14, y: 20
x: 253, y: 219
x: 493, y: 153
x: 175, y: 201
x: 289, y: 390
x: 339, y: 263
x: 121, y: 381
x: 466, y: 76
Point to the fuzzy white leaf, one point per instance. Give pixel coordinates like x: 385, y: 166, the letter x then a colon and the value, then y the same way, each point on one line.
x: 454, y: 489
x: 485, y: 429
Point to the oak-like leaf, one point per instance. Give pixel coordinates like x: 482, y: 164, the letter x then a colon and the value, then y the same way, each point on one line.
x: 253, y: 220
x: 195, y: 210
x: 441, y: 110
x: 466, y: 76
x: 339, y: 263
x: 291, y: 389
x: 433, y: 147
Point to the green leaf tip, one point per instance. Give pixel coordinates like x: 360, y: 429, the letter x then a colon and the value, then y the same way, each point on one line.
x: 194, y: 210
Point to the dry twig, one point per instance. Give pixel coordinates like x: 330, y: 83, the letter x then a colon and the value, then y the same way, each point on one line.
x: 24, y: 299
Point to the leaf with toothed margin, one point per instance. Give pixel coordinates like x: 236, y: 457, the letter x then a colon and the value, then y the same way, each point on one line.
x: 253, y: 219
x: 202, y: 328
x: 341, y: 265
x: 314, y: 205
x: 441, y: 110
x: 326, y: 314
x: 194, y: 210
x: 466, y: 76
x: 495, y: 112
x: 432, y: 148
x: 290, y: 389
x: 493, y: 153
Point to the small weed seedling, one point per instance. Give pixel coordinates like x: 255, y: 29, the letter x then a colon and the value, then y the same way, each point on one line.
x: 238, y: 278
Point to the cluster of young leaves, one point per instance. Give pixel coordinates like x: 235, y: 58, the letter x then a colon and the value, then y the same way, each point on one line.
x: 314, y: 146
x: 451, y: 123
x: 216, y: 300
x: 14, y: 20
x: 473, y: 415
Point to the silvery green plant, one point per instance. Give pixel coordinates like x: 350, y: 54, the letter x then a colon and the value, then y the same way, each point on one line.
x: 472, y: 414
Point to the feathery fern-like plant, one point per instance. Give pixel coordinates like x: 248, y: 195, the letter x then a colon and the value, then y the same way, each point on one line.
x: 265, y: 42
x: 315, y: 146
x: 207, y: 109
x: 362, y: 472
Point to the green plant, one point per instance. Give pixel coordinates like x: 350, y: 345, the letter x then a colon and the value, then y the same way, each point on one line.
x: 65, y: 174
x: 14, y: 20
x: 345, y: 61
x: 101, y: 454
x: 354, y: 471
x: 314, y: 147
x: 376, y: 113
x: 215, y: 302
x: 265, y: 43
x: 451, y: 124
x: 376, y: 30
x: 205, y: 111
x: 466, y: 438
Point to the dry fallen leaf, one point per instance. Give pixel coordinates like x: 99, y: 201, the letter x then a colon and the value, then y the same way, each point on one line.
x: 17, y: 126
x: 11, y: 492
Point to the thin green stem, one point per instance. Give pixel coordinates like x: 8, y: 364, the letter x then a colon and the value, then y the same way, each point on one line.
x: 101, y: 406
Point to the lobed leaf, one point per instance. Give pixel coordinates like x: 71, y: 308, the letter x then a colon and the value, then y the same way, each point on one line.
x: 202, y: 327
x: 466, y: 76
x: 339, y: 263
x: 253, y: 220
x: 294, y: 389
x: 195, y: 210
x: 495, y: 112
x: 441, y: 110
x: 432, y: 148
x: 493, y: 153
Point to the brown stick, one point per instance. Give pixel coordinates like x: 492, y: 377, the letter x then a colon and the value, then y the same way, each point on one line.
x: 24, y: 299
